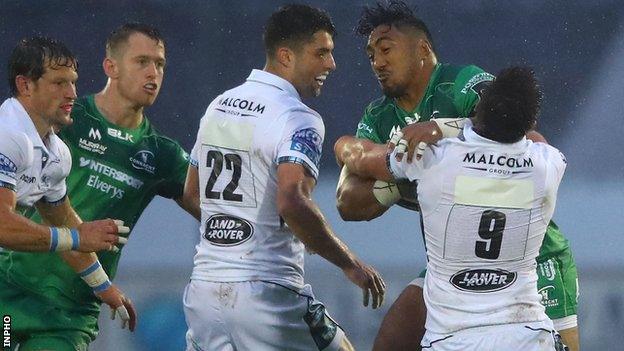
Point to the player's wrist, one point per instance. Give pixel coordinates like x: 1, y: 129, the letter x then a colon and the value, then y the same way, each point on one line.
x: 96, y: 277
x: 450, y: 127
x: 64, y: 239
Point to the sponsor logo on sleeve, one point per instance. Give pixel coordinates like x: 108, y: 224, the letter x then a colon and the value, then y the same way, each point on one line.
x: 474, y: 83
x: 144, y: 160
x: 483, y: 280
x: 546, y: 299
x: 7, y: 167
x: 226, y: 230
x: 308, y: 142
x: 365, y: 127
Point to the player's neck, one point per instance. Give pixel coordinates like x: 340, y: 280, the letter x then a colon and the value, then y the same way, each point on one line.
x: 417, y: 88
x: 118, y: 110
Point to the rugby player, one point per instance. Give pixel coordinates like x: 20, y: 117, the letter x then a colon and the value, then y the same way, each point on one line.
x: 417, y: 88
x: 483, y: 221
x: 120, y: 162
x: 254, y: 166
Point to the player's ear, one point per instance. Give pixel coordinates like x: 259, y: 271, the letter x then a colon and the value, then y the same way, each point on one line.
x: 23, y: 85
x: 285, y: 57
x: 110, y: 67
x: 424, y: 48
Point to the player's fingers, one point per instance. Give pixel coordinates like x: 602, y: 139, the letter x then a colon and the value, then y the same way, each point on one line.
x: 420, y: 150
x: 122, y: 240
x: 131, y: 313
x: 400, y: 149
x: 394, y: 139
x: 114, y: 249
x: 123, y: 316
x: 365, y: 297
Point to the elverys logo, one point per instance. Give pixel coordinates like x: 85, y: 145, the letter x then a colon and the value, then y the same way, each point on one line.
x: 483, y: 280
x: 225, y: 230
x: 143, y: 160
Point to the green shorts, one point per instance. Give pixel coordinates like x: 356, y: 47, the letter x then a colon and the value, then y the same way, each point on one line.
x: 558, y: 284
x: 37, y: 324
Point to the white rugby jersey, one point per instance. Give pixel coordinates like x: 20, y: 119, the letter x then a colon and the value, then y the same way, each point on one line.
x: 34, y: 170
x: 244, y: 135
x: 485, y: 207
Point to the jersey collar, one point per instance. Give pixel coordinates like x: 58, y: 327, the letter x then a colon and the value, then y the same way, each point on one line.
x: 19, y: 118
x: 265, y: 77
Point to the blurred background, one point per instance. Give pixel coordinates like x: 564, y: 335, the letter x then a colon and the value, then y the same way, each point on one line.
x: 575, y: 47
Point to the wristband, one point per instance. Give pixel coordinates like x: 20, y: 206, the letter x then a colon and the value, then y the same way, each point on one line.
x: 450, y: 127
x: 386, y: 193
x: 95, y: 277
x: 64, y: 239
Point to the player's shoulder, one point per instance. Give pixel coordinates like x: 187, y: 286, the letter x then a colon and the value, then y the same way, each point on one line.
x: 450, y: 72
x: 84, y: 108
x: 548, y: 151
x: 16, y: 149
x: 378, y: 108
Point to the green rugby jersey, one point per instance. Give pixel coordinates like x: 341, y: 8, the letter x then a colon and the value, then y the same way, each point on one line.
x: 452, y: 92
x: 115, y: 173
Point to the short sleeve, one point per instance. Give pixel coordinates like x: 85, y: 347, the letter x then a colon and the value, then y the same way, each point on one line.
x: 16, y: 156
x: 366, y: 128
x: 302, y: 141
x: 172, y: 186
x: 470, y: 83
x: 556, y: 165
x: 58, y: 188
x: 403, y: 169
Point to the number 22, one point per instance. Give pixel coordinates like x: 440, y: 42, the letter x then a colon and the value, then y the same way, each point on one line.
x: 214, y: 160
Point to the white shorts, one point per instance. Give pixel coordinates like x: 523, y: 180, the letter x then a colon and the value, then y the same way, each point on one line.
x: 256, y: 315
x: 509, y: 337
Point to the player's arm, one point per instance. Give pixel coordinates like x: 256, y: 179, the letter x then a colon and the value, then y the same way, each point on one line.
x: 356, y: 198
x: 87, y: 265
x: 363, y: 158
x: 304, y: 218
x: 190, y: 198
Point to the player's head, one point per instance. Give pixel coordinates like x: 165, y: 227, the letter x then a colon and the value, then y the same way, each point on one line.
x: 509, y: 106
x: 298, y: 41
x: 42, y: 75
x: 135, y: 62
x: 399, y: 48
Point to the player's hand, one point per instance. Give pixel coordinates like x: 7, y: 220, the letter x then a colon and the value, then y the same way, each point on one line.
x: 367, y: 278
x: 120, y: 306
x: 102, y: 235
x: 414, y: 138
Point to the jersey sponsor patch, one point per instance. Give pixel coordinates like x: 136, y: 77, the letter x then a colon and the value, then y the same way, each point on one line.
x: 475, y: 80
x: 144, y: 160
x: 226, y: 230
x: 309, y: 142
x: 483, y: 280
x: 7, y: 167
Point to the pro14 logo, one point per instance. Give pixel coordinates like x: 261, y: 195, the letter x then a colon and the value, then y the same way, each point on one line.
x: 125, y: 136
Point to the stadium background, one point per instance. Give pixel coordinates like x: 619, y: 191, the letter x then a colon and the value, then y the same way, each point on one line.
x: 576, y: 48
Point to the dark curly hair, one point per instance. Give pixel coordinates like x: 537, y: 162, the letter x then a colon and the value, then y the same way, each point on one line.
x: 294, y: 25
x: 392, y: 13
x: 509, y: 106
x: 32, y: 56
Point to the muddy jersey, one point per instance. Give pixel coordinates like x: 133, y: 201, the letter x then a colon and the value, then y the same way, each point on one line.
x: 35, y: 170
x: 115, y: 173
x: 245, y: 134
x: 485, y: 208
x: 452, y: 92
